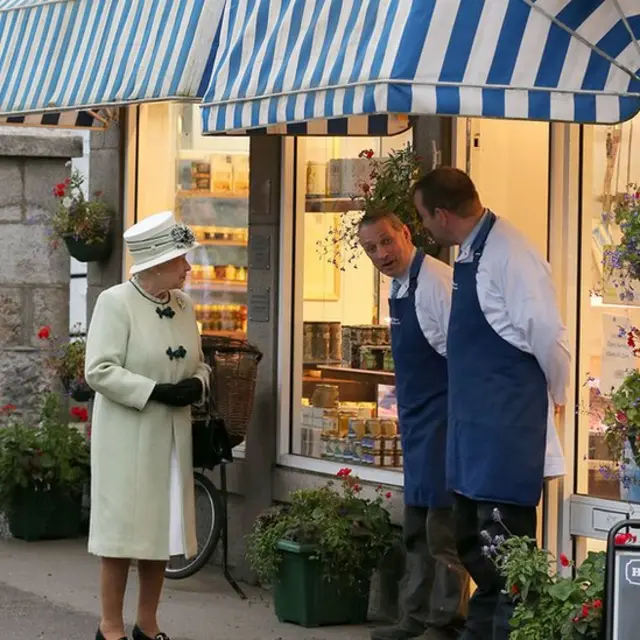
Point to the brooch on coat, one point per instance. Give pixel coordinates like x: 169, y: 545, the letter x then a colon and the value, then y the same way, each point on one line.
x: 167, y: 312
x: 181, y: 303
x: 180, y: 352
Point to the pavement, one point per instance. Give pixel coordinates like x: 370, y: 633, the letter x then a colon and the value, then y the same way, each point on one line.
x: 49, y: 590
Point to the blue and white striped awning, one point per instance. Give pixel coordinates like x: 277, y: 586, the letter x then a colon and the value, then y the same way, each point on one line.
x: 82, y: 54
x: 281, y: 62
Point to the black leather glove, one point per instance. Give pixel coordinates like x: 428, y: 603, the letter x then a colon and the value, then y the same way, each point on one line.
x: 181, y: 394
x: 189, y: 390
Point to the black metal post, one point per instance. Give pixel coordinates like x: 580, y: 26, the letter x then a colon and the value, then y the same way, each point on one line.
x: 225, y: 533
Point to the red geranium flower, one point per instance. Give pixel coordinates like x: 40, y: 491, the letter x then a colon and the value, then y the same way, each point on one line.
x: 388, y: 495
x: 8, y: 408
x: 344, y: 473
x: 80, y: 413
x: 625, y: 538
x: 621, y: 417
x: 564, y: 561
x: 357, y: 488
x: 44, y: 333
x: 515, y: 590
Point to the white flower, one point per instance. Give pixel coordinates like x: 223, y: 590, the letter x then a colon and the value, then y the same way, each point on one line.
x: 67, y: 202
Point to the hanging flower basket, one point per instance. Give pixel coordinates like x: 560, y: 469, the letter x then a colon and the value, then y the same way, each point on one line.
x: 78, y: 389
x: 83, y: 251
x: 84, y: 224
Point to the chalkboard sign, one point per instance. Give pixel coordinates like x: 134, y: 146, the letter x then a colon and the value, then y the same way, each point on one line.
x: 623, y: 585
x: 626, y: 595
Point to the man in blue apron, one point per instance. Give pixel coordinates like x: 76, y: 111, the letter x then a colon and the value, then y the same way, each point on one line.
x: 436, y: 585
x: 508, y: 363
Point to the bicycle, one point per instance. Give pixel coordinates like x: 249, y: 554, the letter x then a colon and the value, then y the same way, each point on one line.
x: 234, y: 365
x: 209, y: 517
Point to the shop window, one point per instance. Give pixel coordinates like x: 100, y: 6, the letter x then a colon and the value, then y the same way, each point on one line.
x: 609, y: 305
x: 344, y: 408
x: 205, y: 181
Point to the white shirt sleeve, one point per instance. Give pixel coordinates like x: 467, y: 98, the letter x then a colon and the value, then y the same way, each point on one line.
x: 525, y: 282
x: 433, y: 302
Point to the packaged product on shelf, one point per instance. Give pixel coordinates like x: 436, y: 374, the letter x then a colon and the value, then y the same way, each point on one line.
x: 388, y: 364
x: 230, y: 272
x: 220, y: 272
x: 221, y: 175
x: 200, y: 175
x: 316, y: 179
x: 240, y: 175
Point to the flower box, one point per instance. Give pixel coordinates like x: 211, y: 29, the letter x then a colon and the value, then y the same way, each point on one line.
x: 45, y: 515
x: 304, y: 597
x: 82, y: 251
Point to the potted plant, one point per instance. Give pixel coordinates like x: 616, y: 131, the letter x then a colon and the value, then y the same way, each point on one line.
x: 83, y: 224
x: 66, y: 359
x: 319, y: 551
x: 44, y: 469
x: 622, y: 262
x: 619, y: 414
x: 388, y: 187
x: 548, y: 604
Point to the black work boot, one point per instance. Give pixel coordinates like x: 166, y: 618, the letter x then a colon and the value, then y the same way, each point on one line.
x: 404, y: 630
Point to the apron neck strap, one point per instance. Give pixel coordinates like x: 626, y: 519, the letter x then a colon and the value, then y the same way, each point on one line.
x: 481, y: 239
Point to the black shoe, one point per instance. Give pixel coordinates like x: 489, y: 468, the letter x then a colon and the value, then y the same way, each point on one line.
x: 100, y: 636
x: 139, y: 635
x: 404, y: 630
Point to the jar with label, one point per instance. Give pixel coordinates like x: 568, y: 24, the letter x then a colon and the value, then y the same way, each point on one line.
x: 316, y: 179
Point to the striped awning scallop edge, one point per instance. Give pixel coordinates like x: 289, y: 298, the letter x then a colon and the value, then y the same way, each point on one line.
x: 99, y: 119
x: 83, y: 54
x: 378, y: 125
x: 282, y: 62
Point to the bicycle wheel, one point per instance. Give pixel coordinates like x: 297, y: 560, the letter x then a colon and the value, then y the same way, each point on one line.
x: 208, y: 527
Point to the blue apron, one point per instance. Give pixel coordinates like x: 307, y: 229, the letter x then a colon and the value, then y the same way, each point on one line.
x: 497, y: 401
x: 421, y: 390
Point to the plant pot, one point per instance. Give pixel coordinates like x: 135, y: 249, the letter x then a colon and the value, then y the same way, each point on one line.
x: 302, y: 595
x: 83, y: 251
x: 45, y: 515
x: 630, y: 478
x: 79, y: 390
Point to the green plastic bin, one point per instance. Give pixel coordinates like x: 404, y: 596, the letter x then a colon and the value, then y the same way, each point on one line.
x: 302, y: 596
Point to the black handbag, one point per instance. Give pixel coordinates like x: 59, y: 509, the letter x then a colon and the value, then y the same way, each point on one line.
x: 210, y: 438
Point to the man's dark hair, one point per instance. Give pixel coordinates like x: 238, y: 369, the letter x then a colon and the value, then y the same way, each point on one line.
x: 450, y: 189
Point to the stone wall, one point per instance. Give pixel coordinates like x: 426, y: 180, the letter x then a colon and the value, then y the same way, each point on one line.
x: 34, y: 277
x: 105, y: 175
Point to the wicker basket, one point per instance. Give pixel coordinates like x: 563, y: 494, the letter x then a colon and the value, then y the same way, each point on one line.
x: 234, y: 368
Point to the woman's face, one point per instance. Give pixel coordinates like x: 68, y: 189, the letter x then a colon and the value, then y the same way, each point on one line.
x: 173, y: 274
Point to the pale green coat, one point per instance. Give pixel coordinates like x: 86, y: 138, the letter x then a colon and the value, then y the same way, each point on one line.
x: 132, y: 436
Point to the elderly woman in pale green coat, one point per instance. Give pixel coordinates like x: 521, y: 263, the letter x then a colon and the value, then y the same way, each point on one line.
x: 144, y: 360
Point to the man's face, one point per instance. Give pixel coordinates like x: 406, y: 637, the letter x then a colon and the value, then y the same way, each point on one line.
x: 437, y: 223
x: 389, y: 249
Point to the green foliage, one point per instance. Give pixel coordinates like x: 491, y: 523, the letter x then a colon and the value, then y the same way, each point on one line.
x: 84, y: 219
x: 548, y: 604
x: 350, y: 534
x: 389, y: 188
x: 66, y: 357
x: 49, y: 455
x: 622, y: 418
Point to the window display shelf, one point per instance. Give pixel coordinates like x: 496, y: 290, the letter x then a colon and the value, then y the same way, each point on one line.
x: 218, y: 285
x: 366, y: 375
x: 205, y: 193
x: 223, y: 243
x: 237, y: 335
x: 331, y: 205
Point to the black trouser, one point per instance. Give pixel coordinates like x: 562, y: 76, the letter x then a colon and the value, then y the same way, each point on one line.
x: 489, y: 608
x: 436, y: 586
